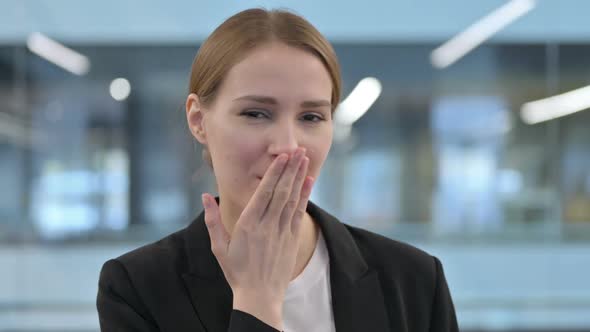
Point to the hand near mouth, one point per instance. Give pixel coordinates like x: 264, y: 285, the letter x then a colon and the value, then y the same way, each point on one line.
x: 259, y: 257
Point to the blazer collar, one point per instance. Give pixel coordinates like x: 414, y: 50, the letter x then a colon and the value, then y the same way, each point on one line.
x: 357, y: 299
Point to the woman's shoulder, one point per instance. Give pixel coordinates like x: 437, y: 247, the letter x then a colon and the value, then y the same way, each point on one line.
x: 138, y: 282
x: 167, y: 253
x: 389, y: 254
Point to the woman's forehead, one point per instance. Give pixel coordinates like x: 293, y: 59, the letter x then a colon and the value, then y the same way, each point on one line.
x: 279, y: 71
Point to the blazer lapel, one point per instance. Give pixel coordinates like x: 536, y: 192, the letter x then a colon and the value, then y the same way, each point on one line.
x: 357, y: 298
x: 210, y: 293
x: 212, y: 300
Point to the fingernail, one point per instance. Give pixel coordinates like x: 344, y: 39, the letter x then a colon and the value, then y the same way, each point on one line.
x: 205, y: 202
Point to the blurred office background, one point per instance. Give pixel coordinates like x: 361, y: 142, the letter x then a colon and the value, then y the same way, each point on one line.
x: 449, y: 155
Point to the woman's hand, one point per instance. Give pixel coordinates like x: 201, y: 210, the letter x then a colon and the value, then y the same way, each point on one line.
x: 258, y: 259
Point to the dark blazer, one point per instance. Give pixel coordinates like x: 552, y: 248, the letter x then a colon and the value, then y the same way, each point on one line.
x: 176, y: 284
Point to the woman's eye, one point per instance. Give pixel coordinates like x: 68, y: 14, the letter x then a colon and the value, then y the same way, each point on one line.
x: 254, y: 114
x: 262, y: 115
x: 312, y: 116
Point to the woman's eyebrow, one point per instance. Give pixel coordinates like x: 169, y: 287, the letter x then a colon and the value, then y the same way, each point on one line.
x: 316, y: 103
x: 273, y: 101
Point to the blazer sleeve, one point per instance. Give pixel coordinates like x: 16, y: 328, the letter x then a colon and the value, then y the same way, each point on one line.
x: 243, y: 321
x: 119, y: 306
x: 443, y: 317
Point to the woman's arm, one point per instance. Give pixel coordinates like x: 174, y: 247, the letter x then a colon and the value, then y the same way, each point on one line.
x: 443, y: 318
x: 119, y: 306
x: 243, y: 321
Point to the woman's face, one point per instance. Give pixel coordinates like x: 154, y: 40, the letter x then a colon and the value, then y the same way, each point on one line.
x: 274, y: 100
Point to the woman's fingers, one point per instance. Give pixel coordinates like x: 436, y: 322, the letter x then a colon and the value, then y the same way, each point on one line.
x: 302, y: 207
x: 293, y: 203
x: 258, y: 258
x: 256, y: 207
x: 281, y: 198
x: 219, y: 236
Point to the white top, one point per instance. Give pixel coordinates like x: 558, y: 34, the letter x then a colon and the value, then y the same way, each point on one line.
x: 308, y: 300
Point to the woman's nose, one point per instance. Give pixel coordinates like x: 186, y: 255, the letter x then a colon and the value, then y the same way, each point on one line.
x: 284, y: 140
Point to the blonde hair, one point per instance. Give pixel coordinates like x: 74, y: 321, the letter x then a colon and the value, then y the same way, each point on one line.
x: 246, y: 30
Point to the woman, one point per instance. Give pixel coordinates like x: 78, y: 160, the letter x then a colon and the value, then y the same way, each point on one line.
x: 262, y: 257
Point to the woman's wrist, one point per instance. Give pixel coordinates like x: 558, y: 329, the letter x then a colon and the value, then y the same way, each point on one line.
x: 266, y: 309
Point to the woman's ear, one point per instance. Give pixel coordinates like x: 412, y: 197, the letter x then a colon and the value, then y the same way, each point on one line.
x: 195, y: 117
